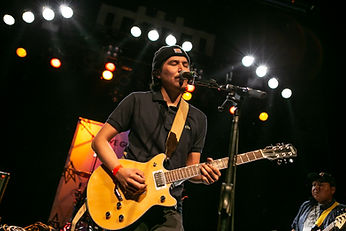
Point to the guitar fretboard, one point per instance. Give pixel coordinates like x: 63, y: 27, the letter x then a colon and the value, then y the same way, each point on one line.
x: 194, y: 170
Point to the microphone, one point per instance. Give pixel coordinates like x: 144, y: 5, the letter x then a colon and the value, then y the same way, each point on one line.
x: 244, y: 91
x: 189, y: 75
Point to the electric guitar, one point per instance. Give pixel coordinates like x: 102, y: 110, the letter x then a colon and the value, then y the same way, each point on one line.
x: 113, y: 209
x: 339, y: 222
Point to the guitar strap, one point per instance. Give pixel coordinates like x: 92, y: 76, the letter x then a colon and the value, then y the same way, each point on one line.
x: 177, y: 128
x: 325, y: 213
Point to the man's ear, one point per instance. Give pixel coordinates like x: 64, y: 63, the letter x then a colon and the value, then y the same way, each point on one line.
x: 157, y: 73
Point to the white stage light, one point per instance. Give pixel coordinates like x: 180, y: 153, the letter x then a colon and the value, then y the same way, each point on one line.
x: 171, y: 40
x: 286, y: 93
x: 48, y: 13
x: 28, y: 17
x: 187, y: 46
x: 66, y: 11
x: 8, y: 19
x: 153, y: 35
x: 248, y: 60
x: 136, y: 31
x: 273, y: 83
x: 261, y: 71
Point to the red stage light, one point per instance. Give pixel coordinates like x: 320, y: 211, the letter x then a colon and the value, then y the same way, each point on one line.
x: 232, y: 109
x: 110, y: 66
x: 190, y: 88
x: 55, y: 62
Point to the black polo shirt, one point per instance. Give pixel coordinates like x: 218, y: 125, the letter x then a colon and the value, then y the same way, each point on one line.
x: 149, y: 120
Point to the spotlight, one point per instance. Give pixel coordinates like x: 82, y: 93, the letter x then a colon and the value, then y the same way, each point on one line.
x: 190, y: 88
x: 55, y: 62
x: 187, y: 46
x: 171, y: 40
x: 48, y: 14
x: 28, y: 17
x: 107, y: 75
x: 273, y: 83
x: 261, y: 71
x: 21, y: 52
x: 232, y: 109
x: 153, y: 35
x: 248, y: 60
x: 187, y: 96
x: 110, y: 66
x: 263, y: 116
x: 136, y: 31
x: 286, y: 93
x: 8, y: 19
x: 66, y: 11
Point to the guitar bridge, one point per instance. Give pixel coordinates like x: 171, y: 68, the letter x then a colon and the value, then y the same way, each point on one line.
x: 160, y: 180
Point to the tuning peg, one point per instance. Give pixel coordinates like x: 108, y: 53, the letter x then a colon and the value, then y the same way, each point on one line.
x: 290, y: 160
x: 279, y: 162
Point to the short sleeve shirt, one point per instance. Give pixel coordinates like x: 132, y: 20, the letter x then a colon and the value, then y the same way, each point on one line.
x: 149, y: 120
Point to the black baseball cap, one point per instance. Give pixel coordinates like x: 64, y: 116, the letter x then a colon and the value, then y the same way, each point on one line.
x: 164, y: 53
x: 322, y: 177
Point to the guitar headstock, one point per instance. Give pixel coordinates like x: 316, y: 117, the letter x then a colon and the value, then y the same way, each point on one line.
x: 280, y: 152
x: 340, y: 220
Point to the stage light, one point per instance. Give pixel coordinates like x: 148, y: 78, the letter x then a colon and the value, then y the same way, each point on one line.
x: 136, y: 31
x: 187, y: 96
x: 153, y: 35
x: 248, y: 60
x: 66, y: 11
x: 110, y: 66
x: 261, y: 71
x: 190, y: 88
x: 55, y: 62
x: 232, y: 109
x: 263, y: 116
x: 187, y: 46
x: 21, y: 52
x: 286, y: 93
x: 170, y: 40
x: 48, y: 14
x: 107, y: 75
x: 28, y: 17
x: 273, y: 83
x: 8, y: 19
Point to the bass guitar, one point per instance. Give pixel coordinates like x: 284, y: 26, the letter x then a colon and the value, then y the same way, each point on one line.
x: 113, y: 209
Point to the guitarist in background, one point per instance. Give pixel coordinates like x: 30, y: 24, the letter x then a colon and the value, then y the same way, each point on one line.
x: 322, y: 209
x: 149, y: 117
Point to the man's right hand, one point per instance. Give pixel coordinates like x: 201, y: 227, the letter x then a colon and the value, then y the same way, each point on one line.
x: 131, y: 180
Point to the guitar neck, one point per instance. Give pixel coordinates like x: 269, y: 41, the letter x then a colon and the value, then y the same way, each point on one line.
x: 188, y: 172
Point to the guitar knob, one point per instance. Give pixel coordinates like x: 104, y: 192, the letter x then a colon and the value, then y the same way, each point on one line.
x: 121, y: 218
x: 162, y: 199
x: 108, y: 215
x: 118, y: 205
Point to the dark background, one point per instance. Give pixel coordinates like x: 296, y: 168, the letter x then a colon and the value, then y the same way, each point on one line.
x: 301, y: 42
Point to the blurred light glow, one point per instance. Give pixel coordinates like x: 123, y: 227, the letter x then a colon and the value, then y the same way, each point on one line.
x: 136, y: 31
x: 232, y: 109
x: 55, y: 62
x: 187, y: 96
x: 21, y: 52
x: 8, y: 19
x: 261, y: 71
x: 110, y: 66
x: 66, y: 11
x: 107, y: 75
x: 28, y: 17
x: 187, y: 46
x: 286, y: 93
x: 263, y: 116
x: 153, y: 35
x: 273, y: 83
x: 170, y: 40
x: 248, y: 60
x: 190, y: 88
x: 48, y: 14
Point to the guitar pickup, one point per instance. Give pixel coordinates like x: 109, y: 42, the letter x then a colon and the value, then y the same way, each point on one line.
x: 160, y: 180
x: 117, y: 193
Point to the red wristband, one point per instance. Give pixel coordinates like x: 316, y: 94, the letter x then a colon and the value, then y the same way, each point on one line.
x: 116, y: 169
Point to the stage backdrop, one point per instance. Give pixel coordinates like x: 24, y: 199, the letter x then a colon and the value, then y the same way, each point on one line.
x: 80, y: 163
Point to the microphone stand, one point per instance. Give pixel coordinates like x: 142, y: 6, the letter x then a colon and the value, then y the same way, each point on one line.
x: 235, y: 96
